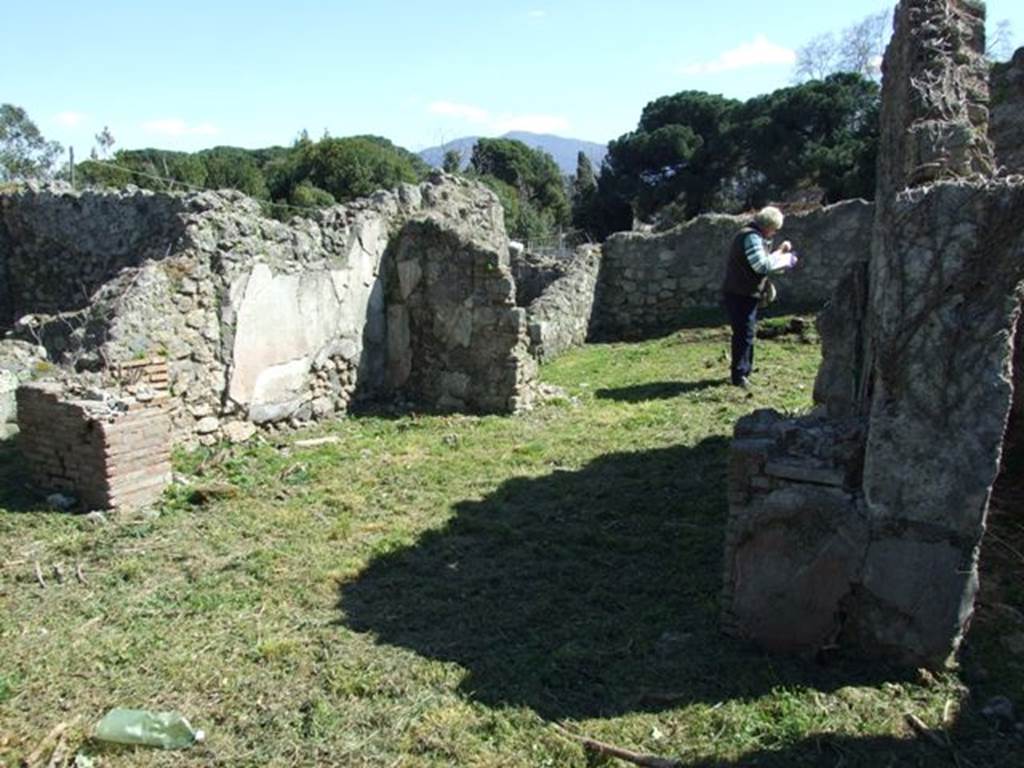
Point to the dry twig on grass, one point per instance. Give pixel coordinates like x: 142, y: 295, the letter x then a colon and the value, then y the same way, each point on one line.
x: 610, y: 750
x: 921, y: 729
x: 39, y: 575
x: 52, y: 743
x: 945, y: 744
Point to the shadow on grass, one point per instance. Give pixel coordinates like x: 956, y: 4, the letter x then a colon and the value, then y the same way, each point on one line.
x: 16, y: 495
x: 658, y: 390
x: 972, y: 743
x: 582, y: 594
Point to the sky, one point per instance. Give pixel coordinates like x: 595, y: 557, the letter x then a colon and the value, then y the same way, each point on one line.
x: 188, y: 75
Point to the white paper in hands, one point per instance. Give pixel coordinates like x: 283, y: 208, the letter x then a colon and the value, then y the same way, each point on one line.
x: 781, y: 260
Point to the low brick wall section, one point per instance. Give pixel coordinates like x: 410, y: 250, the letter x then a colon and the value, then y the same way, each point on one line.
x: 151, y: 372
x: 104, y: 456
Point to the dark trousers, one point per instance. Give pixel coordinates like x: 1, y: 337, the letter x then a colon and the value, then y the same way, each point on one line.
x: 742, y: 311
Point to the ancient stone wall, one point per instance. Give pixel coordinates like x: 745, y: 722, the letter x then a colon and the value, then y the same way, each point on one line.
x: 1017, y: 413
x: 533, y: 274
x: 934, y: 119
x: 647, y: 279
x: 942, y: 310
x: 1006, y: 123
x: 455, y: 336
x: 20, y: 362
x: 560, y: 317
x: 797, y: 529
x: 57, y: 250
x: 261, y: 321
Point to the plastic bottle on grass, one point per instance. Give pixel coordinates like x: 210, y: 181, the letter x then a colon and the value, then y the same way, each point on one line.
x: 168, y: 730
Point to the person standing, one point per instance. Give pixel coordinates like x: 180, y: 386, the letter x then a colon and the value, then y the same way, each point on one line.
x: 749, y: 263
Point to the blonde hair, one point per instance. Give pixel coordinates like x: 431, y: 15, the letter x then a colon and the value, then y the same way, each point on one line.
x: 769, y: 217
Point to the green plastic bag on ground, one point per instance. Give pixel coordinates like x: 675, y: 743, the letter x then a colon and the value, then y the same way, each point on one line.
x: 168, y: 730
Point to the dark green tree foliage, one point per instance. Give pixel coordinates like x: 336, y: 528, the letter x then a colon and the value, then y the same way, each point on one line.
x: 234, y: 168
x: 608, y: 210
x: 305, y: 195
x: 308, y: 174
x: 584, y: 194
x: 585, y: 182
x: 541, y: 202
x: 355, y: 167
x: 822, y: 133
x: 24, y: 152
x: 452, y: 162
x: 696, y: 152
x: 682, y: 151
x: 156, y: 169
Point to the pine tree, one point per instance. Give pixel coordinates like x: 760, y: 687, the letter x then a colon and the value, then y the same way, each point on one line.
x: 452, y: 162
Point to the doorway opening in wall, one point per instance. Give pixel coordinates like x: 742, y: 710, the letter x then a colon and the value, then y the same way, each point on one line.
x: 997, y: 631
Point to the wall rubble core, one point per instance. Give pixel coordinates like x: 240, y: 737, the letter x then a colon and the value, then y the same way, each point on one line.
x: 561, y: 315
x: 1006, y: 122
x: 914, y: 391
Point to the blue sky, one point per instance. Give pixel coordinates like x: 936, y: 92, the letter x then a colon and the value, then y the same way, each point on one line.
x: 188, y: 75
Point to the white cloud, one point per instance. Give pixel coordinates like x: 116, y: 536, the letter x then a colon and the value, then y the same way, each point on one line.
x: 502, y: 123
x: 537, y: 14
x: 531, y: 123
x: 178, y: 127
x: 761, y: 52
x: 465, y: 111
x: 70, y: 119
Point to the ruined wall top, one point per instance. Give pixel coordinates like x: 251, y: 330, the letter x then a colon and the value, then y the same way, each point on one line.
x: 934, y: 122
x: 59, y: 246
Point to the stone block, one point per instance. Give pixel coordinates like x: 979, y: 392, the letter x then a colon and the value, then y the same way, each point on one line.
x: 916, y: 600
x: 793, y: 556
x: 804, y: 473
x: 8, y: 402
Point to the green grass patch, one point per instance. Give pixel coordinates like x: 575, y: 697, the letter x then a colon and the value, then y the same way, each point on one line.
x: 437, y: 590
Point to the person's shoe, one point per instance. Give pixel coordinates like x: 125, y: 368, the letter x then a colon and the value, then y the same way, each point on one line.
x: 742, y: 383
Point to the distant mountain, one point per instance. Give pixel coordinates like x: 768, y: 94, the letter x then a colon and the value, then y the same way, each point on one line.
x: 563, y: 150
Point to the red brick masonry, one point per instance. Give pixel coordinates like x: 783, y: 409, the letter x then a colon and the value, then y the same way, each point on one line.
x: 107, y: 458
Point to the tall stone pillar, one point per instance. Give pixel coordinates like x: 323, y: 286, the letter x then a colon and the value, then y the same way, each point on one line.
x: 918, y: 365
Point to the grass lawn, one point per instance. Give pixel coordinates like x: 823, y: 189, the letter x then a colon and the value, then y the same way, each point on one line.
x: 442, y: 590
